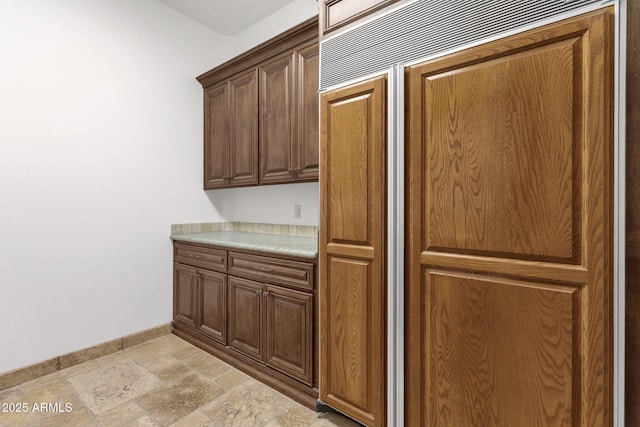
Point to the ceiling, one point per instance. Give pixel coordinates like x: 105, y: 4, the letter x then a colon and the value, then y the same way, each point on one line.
x: 224, y: 16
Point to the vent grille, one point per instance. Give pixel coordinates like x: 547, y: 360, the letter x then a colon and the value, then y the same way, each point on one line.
x: 426, y: 28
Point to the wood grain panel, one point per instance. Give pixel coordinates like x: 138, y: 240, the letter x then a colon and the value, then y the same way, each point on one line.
x: 243, y: 129
x: 336, y: 14
x: 307, y: 112
x: 347, y: 168
x: 272, y: 270
x: 502, y: 352
x: 506, y: 182
x: 521, y: 201
x: 352, y: 251
x: 246, y: 313
x: 276, y: 116
x: 216, y: 108
x: 347, y: 329
x: 200, y: 256
x: 212, y: 305
x: 290, y: 332
x: 530, y: 269
x: 184, y: 294
x: 632, y: 327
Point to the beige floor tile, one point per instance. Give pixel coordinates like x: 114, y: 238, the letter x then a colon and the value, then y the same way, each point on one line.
x: 157, y: 348
x: 250, y: 404
x: 109, y: 386
x: 296, y: 416
x: 232, y: 379
x: 59, y: 375
x: 167, y: 368
x: 170, y: 402
x: 112, y: 358
x: 160, y: 383
x: 194, y: 419
x: 120, y: 415
x: 143, y: 421
x: 187, y: 352
x: 55, y: 404
x: 207, y: 365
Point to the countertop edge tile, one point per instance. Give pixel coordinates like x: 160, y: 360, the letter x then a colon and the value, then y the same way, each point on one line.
x: 305, y: 247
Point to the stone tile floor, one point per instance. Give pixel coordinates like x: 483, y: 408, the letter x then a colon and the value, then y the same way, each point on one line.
x: 163, y: 382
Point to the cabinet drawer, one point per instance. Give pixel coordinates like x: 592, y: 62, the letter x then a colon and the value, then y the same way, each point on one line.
x: 272, y: 270
x: 197, y: 256
x: 337, y: 13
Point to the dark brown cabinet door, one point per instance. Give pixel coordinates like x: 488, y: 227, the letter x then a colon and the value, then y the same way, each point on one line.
x: 185, y: 288
x: 289, y: 330
x: 216, y: 110
x: 212, y: 305
x: 243, y: 129
x: 306, y: 150
x: 276, y: 110
x: 352, y: 251
x: 246, y: 313
x: 509, y: 281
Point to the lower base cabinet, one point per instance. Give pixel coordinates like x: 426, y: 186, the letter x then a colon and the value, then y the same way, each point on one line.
x: 257, y: 314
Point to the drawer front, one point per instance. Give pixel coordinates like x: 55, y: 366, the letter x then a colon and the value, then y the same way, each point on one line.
x: 337, y: 13
x: 197, y: 256
x: 272, y: 270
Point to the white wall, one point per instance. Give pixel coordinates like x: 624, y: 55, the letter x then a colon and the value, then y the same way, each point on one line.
x: 100, y: 151
x: 275, y: 201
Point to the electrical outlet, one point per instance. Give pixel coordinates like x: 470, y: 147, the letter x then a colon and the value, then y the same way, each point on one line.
x: 297, y: 211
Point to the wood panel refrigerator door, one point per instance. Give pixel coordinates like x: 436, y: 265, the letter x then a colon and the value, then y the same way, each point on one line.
x: 509, y: 281
x: 352, y: 251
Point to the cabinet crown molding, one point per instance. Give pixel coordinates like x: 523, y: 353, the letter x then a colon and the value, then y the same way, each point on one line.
x: 302, y: 33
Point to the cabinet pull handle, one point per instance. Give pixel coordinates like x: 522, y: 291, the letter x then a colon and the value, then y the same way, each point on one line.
x: 265, y: 293
x: 261, y: 268
x: 258, y: 292
x: 198, y: 256
x: 290, y: 171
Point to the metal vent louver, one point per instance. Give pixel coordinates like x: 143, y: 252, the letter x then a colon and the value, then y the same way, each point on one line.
x: 426, y: 28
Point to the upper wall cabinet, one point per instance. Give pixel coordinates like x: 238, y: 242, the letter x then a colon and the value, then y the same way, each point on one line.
x: 261, y: 113
x: 335, y: 14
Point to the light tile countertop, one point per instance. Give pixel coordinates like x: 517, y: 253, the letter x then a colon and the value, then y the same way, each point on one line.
x: 306, y: 247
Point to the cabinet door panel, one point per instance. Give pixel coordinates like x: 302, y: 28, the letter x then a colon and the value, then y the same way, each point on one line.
x: 212, y: 319
x: 276, y: 110
x: 352, y: 251
x: 509, y: 281
x: 246, y: 312
x: 307, y: 113
x: 216, y: 111
x: 185, y: 287
x: 243, y: 129
x: 290, y: 332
